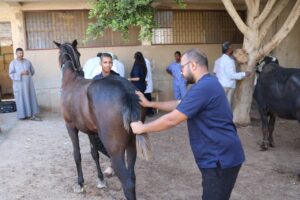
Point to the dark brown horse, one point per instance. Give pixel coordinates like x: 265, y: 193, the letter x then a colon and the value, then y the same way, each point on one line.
x: 101, y: 108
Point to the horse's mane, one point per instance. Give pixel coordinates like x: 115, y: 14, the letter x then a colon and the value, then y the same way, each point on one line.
x: 70, y: 58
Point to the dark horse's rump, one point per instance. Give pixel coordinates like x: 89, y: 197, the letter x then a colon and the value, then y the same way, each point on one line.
x: 101, y: 108
x: 112, y: 90
x: 114, y: 103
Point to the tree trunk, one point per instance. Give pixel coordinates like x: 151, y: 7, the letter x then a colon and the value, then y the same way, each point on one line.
x: 244, y: 94
x: 255, y: 29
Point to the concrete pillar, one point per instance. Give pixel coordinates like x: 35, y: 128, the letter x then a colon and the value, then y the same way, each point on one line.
x: 17, y: 25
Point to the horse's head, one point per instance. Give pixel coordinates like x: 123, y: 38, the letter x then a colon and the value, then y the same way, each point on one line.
x: 69, y: 56
x: 264, y: 61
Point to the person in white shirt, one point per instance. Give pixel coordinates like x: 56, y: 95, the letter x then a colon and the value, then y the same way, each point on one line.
x: 225, y: 71
x: 118, y: 65
x: 92, y: 67
x: 149, y: 87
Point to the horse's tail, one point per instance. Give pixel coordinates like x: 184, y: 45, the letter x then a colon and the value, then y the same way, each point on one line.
x: 132, y: 112
x: 143, y: 146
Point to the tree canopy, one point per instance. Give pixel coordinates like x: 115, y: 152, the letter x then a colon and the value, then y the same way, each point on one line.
x: 120, y: 15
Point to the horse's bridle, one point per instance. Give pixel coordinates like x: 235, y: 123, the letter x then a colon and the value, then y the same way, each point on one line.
x: 72, y: 61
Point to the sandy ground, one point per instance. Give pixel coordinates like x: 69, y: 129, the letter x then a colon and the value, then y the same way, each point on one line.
x: 36, y: 163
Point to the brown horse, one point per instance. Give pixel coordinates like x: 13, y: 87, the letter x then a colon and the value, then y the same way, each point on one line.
x: 101, y: 108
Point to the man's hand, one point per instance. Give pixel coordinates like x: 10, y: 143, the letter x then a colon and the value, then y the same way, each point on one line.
x: 25, y: 72
x: 137, y: 127
x: 143, y: 101
x: 248, y: 73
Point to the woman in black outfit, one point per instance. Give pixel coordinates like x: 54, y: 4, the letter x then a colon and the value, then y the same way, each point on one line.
x: 139, y: 72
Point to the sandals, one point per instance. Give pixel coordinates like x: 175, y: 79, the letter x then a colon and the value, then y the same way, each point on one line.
x: 34, y: 118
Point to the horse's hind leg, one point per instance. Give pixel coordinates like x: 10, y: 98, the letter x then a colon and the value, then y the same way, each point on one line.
x: 94, y: 151
x: 119, y: 166
x: 131, y: 158
x: 271, y: 126
x: 73, y: 133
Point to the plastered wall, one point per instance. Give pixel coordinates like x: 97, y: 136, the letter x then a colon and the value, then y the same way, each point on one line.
x: 48, y: 75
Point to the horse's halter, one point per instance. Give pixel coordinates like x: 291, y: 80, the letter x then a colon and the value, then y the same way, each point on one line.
x: 262, y: 63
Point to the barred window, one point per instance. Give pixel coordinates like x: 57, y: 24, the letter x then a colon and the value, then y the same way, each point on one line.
x: 5, y: 34
x: 190, y: 27
x: 42, y: 27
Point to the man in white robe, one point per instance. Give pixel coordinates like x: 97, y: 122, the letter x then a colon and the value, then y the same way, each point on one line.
x: 21, y: 72
x: 149, y: 88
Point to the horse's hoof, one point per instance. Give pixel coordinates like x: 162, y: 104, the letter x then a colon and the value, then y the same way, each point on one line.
x: 78, y: 189
x: 108, y: 172
x: 101, y: 184
x: 272, y: 144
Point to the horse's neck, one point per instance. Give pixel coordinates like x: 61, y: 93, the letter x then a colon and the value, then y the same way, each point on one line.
x: 69, y: 77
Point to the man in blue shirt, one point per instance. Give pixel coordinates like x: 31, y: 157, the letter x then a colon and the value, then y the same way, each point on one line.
x: 179, y: 83
x: 213, y: 137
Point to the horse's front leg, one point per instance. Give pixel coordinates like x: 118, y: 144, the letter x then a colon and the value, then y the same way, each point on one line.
x: 271, y: 126
x: 73, y: 133
x: 94, y: 151
x: 264, y: 120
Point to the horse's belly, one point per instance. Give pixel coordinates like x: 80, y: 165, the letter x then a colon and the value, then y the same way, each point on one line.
x: 286, y: 116
x: 82, y: 123
x: 283, y: 112
x: 90, y: 128
x: 86, y: 126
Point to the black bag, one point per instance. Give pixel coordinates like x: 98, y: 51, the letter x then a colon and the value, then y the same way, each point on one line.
x: 7, y: 106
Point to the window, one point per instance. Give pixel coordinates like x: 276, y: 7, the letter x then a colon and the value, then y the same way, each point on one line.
x: 5, y: 34
x: 190, y: 27
x: 42, y: 27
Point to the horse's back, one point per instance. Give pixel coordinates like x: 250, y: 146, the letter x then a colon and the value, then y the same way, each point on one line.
x: 109, y: 90
x: 277, y: 90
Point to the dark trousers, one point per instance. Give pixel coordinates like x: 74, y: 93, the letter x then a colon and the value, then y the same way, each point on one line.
x: 218, y: 183
x: 150, y: 111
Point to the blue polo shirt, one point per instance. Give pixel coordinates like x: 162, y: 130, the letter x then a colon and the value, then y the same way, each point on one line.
x: 212, y: 133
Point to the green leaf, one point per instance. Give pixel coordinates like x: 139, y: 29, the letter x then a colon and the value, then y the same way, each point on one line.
x: 120, y: 15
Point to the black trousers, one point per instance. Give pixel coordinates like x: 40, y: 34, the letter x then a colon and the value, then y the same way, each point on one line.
x: 218, y: 183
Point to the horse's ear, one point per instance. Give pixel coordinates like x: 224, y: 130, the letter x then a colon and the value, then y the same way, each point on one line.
x: 57, y: 44
x: 74, y: 44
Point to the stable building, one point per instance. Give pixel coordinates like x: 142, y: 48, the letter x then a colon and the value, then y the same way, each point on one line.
x: 34, y: 24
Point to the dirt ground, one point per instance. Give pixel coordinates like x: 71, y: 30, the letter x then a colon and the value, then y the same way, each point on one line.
x: 36, y: 163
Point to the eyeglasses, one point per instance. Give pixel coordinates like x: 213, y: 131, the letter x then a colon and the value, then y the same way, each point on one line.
x: 182, y: 66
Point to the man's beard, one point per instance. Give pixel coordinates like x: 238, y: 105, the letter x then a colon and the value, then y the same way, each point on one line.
x: 189, y: 77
